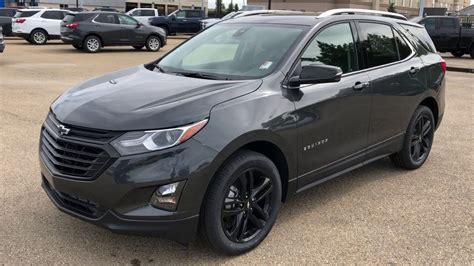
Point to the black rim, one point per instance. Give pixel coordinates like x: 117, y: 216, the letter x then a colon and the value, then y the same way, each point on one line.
x: 421, y: 138
x: 247, y: 206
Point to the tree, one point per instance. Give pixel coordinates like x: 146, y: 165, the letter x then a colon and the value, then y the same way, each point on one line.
x: 236, y: 7
x: 230, y: 8
x: 391, y: 8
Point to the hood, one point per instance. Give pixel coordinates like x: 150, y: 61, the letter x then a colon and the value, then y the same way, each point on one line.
x: 140, y: 99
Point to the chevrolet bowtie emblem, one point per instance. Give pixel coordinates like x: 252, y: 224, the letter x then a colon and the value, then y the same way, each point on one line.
x: 63, y: 130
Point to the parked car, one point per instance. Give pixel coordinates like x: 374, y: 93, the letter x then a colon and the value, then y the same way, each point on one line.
x: 449, y: 35
x: 217, y: 133
x: 180, y: 21
x: 90, y: 31
x: 6, y: 15
x: 76, y: 9
x: 143, y: 14
x: 39, y: 25
x: 238, y: 14
x: 2, y: 41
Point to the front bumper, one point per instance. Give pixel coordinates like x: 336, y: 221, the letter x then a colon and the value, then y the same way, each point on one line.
x: 119, y: 198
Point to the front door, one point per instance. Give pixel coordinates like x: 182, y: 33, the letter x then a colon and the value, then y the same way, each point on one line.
x: 333, y: 117
x: 132, y: 32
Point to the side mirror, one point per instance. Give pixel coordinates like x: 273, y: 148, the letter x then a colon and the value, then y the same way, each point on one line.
x: 316, y: 73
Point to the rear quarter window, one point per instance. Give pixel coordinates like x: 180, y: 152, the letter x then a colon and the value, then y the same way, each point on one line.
x: 26, y: 14
x: 421, y: 35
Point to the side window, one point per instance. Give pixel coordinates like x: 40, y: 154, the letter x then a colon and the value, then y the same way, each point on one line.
x: 430, y: 24
x: 147, y: 13
x: 404, y: 49
x: 181, y: 14
x: 447, y: 24
x: 193, y: 14
x: 106, y: 18
x: 124, y: 20
x: 57, y: 15
x: 333, y: 46
x: 136, y: 13
x: 379, y: 44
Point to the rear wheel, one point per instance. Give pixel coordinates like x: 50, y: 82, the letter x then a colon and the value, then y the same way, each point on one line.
x: 92, y: 44
x: 472, y: 52
x: 457, y: 53
x: 418, y: 140
x: 242, y: 203
x: 139, y: 47
x: 153, y: 44
x: 39, y: 37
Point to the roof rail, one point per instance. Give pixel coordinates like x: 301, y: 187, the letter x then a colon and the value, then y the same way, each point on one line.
x: 353, y: 11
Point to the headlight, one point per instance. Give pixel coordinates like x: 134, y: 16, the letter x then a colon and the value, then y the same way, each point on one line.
x: 153, y: 140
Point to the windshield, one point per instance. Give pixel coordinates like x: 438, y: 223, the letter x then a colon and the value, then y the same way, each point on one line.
x: 233, y: 51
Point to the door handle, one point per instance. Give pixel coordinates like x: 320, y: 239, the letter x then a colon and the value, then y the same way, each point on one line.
x: 414, y: 70
x: 360, y: 85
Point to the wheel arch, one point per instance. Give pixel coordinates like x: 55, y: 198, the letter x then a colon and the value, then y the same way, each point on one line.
x: 39, y: 28
x: 431, y: 103
x: 162, y: 41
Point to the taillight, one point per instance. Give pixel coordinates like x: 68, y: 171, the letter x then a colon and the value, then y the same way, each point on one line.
x: 72, y: 25
x: 20, y: 20
x: 442, y: 63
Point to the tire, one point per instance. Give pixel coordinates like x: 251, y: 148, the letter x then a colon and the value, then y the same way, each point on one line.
x: 39, y: 37
x: 472, y: 52
x: 235, y: 228
x: 418, y: 140
x: 153, y: 43
x: 77, y: 46
x: 139, y: 47
x: 92, y: 44
x: 457, y: 53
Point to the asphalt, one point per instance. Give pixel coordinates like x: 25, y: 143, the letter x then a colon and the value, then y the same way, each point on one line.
x: 375, y: 214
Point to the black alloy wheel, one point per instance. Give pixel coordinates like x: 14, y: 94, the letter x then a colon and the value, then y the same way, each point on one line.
x: 418, y: 140
x: 247, y: 206
x: 241, y: 204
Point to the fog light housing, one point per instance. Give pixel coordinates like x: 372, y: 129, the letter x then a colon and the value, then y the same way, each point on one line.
x: 166, y: 197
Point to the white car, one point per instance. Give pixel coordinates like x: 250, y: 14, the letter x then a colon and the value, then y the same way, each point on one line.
x: 143, y: 14
x: 37, y: 26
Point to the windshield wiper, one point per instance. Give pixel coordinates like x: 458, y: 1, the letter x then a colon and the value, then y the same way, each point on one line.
x: 159, y: 68
x: 201, y: 75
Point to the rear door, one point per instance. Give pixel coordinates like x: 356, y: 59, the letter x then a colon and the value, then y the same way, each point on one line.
x: 396, y: 82
x: 51, y: 21
x: 108, y: 28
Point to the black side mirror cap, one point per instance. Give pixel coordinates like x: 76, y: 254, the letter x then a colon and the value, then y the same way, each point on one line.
x: 316, y: 73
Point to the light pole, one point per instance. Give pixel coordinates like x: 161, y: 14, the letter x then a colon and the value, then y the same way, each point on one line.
x: 269, y: 4
x: 422, y: 8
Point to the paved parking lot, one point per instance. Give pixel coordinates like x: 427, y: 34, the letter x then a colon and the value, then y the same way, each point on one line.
x: 376, y: 214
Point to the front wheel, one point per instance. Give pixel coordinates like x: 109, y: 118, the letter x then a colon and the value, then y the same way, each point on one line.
x: 418, y: 140
x: 242, y: 203
x: 153, y: 44
x: 472, y: 52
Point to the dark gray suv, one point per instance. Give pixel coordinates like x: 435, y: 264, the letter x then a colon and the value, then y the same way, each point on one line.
x: 216, y: 134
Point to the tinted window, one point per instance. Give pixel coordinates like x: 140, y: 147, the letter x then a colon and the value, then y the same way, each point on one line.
x: 447, y: 23
x: 147, y: 13
x: 403, y: 49
x: 430, y: 24
x: 124, y: 20
x: 69, y: 18
x: 181, y: 14
x: 193, y: 14
x: 7, y: 12
x: 58, y: 15
x: 25, y: 14
x: 107, y: 18
x: 379, y: 44
x: 333, y: 46
x: 421, y: 35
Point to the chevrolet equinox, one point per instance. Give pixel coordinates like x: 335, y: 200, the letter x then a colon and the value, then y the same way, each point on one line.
x: 216, y: 134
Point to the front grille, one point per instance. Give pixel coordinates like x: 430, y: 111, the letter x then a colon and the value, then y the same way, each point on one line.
x: 70, y: 157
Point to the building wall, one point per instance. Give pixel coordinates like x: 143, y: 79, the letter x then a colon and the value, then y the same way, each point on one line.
x: 166, y: 6
x: 89, y: 4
